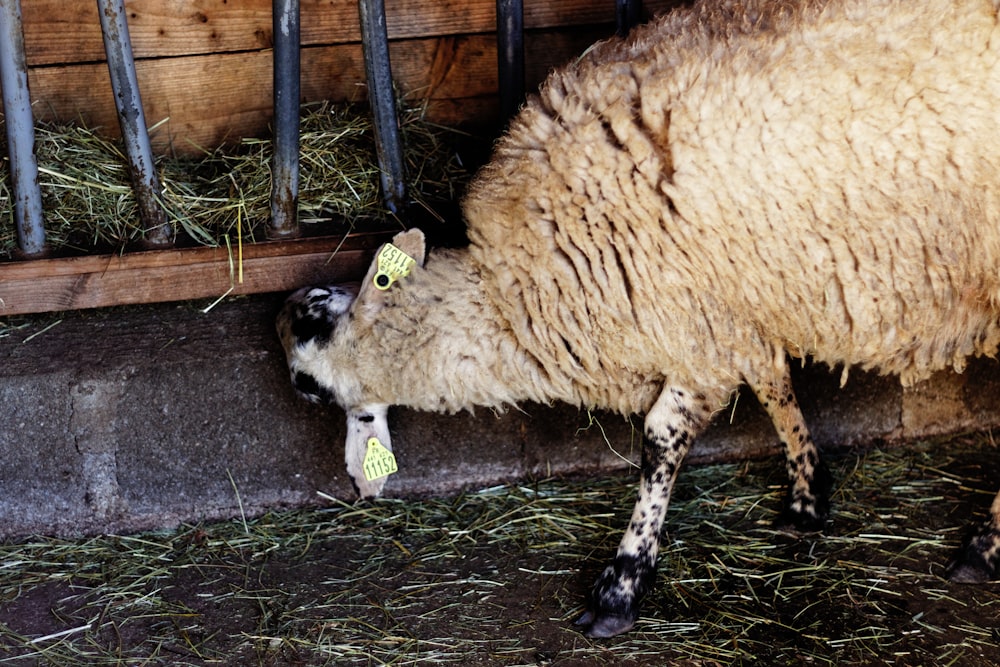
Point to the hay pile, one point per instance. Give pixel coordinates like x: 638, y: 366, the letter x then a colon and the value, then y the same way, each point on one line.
x: 89, y: 206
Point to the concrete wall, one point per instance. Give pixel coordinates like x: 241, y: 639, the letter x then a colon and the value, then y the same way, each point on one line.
x: 140, y: 418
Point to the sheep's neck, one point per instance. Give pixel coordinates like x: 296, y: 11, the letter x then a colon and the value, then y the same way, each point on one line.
x: 444, y: 346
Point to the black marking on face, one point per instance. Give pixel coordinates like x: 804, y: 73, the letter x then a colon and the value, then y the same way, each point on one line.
x: 310, y: 389
x: 312, y: 312
x: 312, y: 319
x: 368, y: 419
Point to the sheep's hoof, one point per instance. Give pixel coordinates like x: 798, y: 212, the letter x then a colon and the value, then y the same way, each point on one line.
x: 802, y: 517
x: 979, y: 559
x: 808, y: 512
x: 599, y: 625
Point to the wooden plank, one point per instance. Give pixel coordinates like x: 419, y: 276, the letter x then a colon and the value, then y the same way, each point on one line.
x: 211, y: 99
x: 35, y: 286
x: 67, y: 31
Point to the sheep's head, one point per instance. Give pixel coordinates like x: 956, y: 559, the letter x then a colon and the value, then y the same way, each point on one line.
x: 318, y: 327
x: 306, y: 324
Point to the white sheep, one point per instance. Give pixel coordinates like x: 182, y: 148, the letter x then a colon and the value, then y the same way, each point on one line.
x: 676, y: 213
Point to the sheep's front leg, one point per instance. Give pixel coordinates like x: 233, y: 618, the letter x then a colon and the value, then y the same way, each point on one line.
x: 979, y: 560
x: 807, y: 503
x: 674, y: 420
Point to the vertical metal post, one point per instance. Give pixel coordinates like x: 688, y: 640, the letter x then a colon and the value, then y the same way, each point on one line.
x: 628, y: 14
x: 375, y: 44
x: 20, y: 127
x: 510, y: 56
x: 285, y: 161
x: 132, y: 120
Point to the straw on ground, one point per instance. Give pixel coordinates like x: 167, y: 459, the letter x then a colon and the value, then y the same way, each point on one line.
x: 494, y: 578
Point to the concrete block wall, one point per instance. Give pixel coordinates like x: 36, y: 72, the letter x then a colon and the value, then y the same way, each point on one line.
x: 139, y: 418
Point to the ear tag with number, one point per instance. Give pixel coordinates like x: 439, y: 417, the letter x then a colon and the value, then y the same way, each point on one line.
x: 393, y: 264
x: 379, y: 461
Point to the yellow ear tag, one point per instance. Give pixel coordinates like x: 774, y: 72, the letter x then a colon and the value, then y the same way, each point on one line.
x: 379, y: 461
x: 393, y: 264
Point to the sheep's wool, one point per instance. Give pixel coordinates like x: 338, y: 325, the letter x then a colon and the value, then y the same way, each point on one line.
x: 749, y: 178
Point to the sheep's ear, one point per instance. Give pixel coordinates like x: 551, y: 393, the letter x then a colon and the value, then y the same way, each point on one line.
x: 412, y: 243
x: 364, y: 425
x: 392, y: 262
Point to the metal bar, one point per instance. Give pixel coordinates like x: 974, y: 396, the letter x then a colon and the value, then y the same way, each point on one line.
x: 20, y: 126
x: 510, y: 56
x: 124, y: 84
x: 375, y: 44
x: 628, y: 14
x: 285, y: 161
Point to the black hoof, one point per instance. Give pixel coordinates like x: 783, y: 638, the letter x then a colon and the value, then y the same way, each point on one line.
x: 808, y: 514
x: 598, y: 626
x: 978, y: 561
x: 810, y: 520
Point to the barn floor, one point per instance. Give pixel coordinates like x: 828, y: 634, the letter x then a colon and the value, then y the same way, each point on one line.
x: 496, y: 577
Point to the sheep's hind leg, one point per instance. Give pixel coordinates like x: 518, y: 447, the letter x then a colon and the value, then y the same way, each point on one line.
x: 807, y: 503
x: 674, y: 420
x: 979, y: 559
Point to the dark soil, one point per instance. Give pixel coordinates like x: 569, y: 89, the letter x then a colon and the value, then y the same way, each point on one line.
x: 496, y: 578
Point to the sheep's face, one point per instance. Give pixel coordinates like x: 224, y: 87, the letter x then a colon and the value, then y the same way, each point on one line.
x: 306, y: 325
x: 319, y: 328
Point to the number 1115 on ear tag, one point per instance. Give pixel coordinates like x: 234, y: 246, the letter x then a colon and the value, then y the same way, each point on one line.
x: 379, y: 461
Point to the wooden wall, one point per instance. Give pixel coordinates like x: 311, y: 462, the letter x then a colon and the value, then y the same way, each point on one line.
x: 204, y: 66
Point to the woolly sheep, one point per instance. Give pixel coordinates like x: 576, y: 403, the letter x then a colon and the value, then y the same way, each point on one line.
x: 675, y: 214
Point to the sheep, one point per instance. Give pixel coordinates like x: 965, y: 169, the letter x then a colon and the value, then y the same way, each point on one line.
x: 680, y: 213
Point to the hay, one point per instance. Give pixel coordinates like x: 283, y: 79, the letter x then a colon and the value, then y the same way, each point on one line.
x: 496, y: 577
x: 89, y: 206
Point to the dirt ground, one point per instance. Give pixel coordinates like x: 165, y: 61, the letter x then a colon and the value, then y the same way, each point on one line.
x: 497, y: 576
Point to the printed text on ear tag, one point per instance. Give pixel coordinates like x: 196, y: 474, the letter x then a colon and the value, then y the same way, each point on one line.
x: 379, y: 461
x: 393, y: 264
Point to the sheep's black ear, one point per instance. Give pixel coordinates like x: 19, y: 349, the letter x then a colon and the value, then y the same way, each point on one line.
x: 392, y: 262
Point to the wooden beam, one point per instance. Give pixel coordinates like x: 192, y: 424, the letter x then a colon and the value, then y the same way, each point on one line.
x: 34, y: 286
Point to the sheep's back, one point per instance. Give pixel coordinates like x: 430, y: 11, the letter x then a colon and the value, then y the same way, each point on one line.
x: 822, y: 181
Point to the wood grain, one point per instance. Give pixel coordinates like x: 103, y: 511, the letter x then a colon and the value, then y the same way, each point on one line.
x: 44, y: 285
x: 68, y: 31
